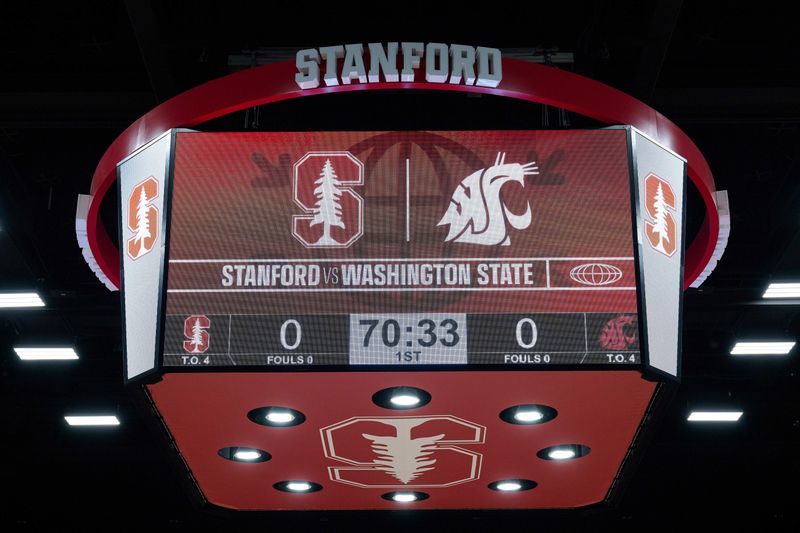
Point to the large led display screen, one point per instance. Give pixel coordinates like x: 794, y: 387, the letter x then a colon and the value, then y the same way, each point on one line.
x: 403, y: 248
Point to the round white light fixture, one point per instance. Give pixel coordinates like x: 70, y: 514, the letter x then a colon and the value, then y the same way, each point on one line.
x: 405, y: 496
x: 560, y: 455
x: 403, y: 397
x: 244, y: 455
x: 247, y: 455
x: 528, y: 416
x: 298, y: 486
x: 404, y: 400
x: 280, y: 417
x: 512, y: 485
x: 563, y: 452
x: 275, y: 416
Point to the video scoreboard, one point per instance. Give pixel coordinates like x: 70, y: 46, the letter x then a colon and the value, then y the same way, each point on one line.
x: 315, y: 250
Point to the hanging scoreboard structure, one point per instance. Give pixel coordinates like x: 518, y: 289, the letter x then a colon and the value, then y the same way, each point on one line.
x: 390, y: 319
x: 356, y: 320
x: 424, y: 250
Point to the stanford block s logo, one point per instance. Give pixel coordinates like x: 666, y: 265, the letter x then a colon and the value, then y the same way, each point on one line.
x: 142, y: 218
x: 333, y: 212
x: 661, y: 230
x: 403, y: 451
x: 195, y: 330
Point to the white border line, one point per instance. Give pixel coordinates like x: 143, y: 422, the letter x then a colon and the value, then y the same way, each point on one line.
x: 400, y: 259
x: 411, y: 289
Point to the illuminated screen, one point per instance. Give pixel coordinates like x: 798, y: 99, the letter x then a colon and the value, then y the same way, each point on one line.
x: 401, y: 248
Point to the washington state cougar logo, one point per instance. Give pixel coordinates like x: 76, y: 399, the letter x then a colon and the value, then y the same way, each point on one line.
x: 476, y: 213
x: 619, y: 333
x: 403, y: 452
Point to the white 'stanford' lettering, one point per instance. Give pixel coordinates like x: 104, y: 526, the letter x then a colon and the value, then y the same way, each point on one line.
x: 455, y: 64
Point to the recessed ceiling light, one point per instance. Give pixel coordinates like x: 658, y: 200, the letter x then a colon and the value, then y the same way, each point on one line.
x: 244, y: 455
x: 45, y: 353
x: 404, y: 400
x: 715, y: 416
x: 563, y: 452
x: 93, y: 420
x: 297, y: 486
x: 247, y: 455
x: 274, y: 416
x: 512, y: 485
x: 10, y: 300
x: 560, y: 455
x: 528, y: 414
x: 401, y: 398
x: 762, y: 348
x: 280, y: 417
x: 405, y: 496
x: 782, y: 290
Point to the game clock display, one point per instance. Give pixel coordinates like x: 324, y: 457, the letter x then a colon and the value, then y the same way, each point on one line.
x: 309, y: 249
x: 405, y: 339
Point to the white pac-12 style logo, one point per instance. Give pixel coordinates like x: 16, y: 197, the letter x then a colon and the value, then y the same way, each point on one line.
x: 333, y: 212
x: 476, y: 213
x: 195, y: 330
x: 403, y: 452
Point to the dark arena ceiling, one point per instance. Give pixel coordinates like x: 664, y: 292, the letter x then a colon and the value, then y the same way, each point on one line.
x: 74, y: 75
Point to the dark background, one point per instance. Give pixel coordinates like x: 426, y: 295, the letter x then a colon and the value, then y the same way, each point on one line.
x: 74, y: 75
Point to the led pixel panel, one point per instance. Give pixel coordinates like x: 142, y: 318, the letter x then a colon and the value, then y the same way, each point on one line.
x: 336, y: 249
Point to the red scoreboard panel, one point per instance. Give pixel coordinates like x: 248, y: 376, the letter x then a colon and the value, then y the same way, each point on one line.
x: 283, y: 290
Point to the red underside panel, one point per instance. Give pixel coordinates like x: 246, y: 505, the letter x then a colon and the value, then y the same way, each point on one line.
x: 358, y: 451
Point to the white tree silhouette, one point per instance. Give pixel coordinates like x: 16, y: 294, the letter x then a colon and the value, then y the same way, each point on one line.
x: 197, y: 336
x: 328, y: 210
x: 142, y: 222
x: 660, y: 223
x: 401, y: 456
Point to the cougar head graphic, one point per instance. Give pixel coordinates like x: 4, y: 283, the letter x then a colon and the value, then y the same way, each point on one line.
x: 476, y: 213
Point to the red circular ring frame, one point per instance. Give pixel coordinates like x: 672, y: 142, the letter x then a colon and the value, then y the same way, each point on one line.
x: 521, y: 80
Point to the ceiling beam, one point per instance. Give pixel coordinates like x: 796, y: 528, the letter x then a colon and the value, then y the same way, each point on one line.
x: 662, y: 25
x: 143, y: 22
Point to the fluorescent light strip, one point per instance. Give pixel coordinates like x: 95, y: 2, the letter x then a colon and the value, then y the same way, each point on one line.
x: 46, y: 354
x: 20, y: 299
x: 715, y: 416
x: 762, y: 348
x: 101, y: 420
x: 783, y: 290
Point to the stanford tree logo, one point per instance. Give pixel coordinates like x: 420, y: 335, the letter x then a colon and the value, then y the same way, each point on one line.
x: 195, y: 330
x: 333, y: 212
x: 142, y: 218
x: 661, y: 231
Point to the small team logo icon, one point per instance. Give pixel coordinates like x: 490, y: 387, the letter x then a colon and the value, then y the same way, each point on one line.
x: 619, y: 333
x: 195, y: 330
x: 660, y: 230
x: 333, y: 211
x: 403, y: 452
x: 595, y: 274
x: 476, y: 213
x: 142, y: 219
